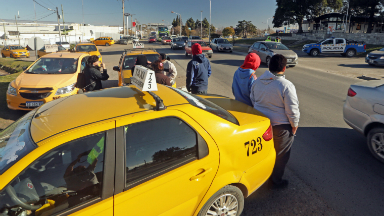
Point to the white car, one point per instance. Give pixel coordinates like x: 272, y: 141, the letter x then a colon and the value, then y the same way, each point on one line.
x: 66, y: 45
x: 135, y: 40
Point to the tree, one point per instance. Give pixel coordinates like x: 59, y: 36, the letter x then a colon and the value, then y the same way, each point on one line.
x: 245, y: 27
x: 296, y: 10
x: 191, y: 23
x: 174, y: 23
x: 205, y: 23
x: 250, y: 28
x: 197, y: 23
x: 213, y: 29
x: 176, y: 30
x: 228, y: 31
x: 186, y: 31
x: 366, y: 8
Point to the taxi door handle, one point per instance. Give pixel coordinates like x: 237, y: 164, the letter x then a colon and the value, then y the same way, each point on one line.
x: 200, y: 175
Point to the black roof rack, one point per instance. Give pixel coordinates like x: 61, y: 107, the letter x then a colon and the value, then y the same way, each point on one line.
x: 159, y: 102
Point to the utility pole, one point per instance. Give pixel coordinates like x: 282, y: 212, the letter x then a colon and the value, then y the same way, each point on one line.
x: 124, y: 31
x: 58, y: 22
x: 65, y: 31
x: 209, y: 27
x: 135, y: 28
x: 18, y: 33
x: 5, y: 35
x: 201, y: 24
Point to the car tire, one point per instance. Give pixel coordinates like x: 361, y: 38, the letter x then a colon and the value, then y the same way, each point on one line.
x: 350, y: 53
x: 107, y: 44
x: 210, y: 56
x: 230, y: 51
x: 2, y: 55
x: 267, y: 61
x: 292, y: 66
x: 377, y: 145
x: 226, y: 192
x: 314, y: 52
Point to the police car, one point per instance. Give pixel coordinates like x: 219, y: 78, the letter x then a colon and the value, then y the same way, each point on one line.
x: 342, y: 46
x: 141, y: 144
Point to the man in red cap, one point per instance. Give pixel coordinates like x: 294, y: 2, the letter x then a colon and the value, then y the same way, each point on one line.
x: 198, y: 71
x: 244, y: 78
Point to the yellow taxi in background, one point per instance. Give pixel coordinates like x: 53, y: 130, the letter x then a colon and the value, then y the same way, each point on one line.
x: 90, y: 49
x: 42, y: 52
x: 14, y: 51
x: 128, y: 60
x: 51, y: 77
x: 104, y: 41
x: 114, y: 151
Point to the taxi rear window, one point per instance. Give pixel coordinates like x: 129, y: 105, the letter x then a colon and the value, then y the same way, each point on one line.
x: 207, y: 106
x: 130, y: 60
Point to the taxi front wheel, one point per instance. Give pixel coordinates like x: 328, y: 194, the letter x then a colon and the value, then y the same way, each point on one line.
x: 229, y: 200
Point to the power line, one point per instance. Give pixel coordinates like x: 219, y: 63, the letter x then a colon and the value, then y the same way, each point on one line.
x: 41, y: 5
x: 47, y: 16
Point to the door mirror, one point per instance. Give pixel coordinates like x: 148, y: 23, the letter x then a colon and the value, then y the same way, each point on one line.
x: 262, y: 49
x: 116, y: 68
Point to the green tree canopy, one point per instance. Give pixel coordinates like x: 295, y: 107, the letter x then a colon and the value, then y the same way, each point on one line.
x: 366, y: 8
x: 245, y: 27
x: 205, y: 23
x: 228, y: 31
x: 191, y: 23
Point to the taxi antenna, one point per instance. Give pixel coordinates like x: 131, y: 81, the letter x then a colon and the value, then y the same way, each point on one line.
x: 159, y: 102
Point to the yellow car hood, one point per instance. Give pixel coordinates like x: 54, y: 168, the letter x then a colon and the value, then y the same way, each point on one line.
x: 45, y: 80
x: 19, y: 50
x: 92, y: 53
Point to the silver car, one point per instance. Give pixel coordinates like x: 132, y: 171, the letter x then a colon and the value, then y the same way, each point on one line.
x: 364, y: 111
x: 125, y: 40
x: 220, y: 44
x: 266, y: 49
x: 375, y: 58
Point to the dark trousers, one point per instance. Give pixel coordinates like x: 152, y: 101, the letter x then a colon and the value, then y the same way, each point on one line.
x: 199, y: 92
x: 283, y: 139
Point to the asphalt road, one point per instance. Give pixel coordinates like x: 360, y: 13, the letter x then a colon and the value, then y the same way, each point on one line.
x: 331, y: 171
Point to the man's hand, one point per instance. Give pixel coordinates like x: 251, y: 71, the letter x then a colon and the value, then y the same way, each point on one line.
x: 103, y: 65
x: 294, y: 129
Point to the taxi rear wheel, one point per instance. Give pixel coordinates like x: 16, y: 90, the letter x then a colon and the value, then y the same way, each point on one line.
x: 229, y: 200
x: 107, y: 44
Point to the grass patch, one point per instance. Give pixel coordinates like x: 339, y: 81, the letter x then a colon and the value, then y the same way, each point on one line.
x: 13, y: 65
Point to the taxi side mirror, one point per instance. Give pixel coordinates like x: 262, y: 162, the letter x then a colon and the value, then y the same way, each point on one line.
x: 116, y: 68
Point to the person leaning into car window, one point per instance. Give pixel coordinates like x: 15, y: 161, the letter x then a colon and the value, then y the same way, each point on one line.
x: 92, y: 74
x: 158, y: 67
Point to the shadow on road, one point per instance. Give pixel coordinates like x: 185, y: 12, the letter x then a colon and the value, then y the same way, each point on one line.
x: 355, y: 65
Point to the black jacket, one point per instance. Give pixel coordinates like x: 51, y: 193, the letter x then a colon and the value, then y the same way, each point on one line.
x: 93, y: 77
x: 198, y: 72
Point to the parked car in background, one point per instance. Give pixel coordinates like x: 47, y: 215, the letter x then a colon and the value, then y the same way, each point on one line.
x: 173, y: 36
x: 104, y: 41
x: 194, y: 37
x: 206, y: 49
x: 375, y: 58
x: 14, y: 51
x: 125, y: 40
x: 219, y: 44
x: 177, y: 43
x: 42, y: 52
x: 364, y: 111
x: 266, y: 49
x: 166, y: 40
x: 185, y: 39
x: 66, y: 45
x: 135, y: 39
x: 152, y: 39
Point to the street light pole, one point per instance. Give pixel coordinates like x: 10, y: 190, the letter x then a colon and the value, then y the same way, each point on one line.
x: 18, y: 33
x: 209, y: 27
x: 58, y: 22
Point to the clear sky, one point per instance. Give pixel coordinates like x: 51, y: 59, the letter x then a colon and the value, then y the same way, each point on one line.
x: 109, y: 12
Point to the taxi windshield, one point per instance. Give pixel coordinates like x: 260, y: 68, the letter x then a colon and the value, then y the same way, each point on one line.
x: 130, y: 61
x: 202, y: 43
x: 15, y: 142
x: 16, y: 47
x: 86, y: 48
x: 54, y: 66
x: 223, y: 41
x: 278, y: 46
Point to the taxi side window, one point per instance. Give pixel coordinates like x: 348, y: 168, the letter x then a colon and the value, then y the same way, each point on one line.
x: 152, y: 149
x: 66, y: 177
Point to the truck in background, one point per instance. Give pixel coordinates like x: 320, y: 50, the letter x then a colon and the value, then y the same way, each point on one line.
x: 342, y: 46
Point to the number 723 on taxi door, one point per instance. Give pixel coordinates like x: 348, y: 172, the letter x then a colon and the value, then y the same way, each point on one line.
x: 253, y: 146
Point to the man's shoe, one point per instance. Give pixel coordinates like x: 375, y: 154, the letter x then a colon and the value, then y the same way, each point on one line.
x: 283, y: 184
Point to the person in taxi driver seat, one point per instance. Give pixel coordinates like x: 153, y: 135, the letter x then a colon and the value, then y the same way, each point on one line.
x: 198, y: 71
x: 141, y: 60
x: 92, y: 74
x: 276, y: 98
x: 244, y: 78
x: 159, y: 73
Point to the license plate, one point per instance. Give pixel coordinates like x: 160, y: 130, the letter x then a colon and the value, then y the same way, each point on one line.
x: 34, y: 103
x: 289, y: 60
x: 370, y: 61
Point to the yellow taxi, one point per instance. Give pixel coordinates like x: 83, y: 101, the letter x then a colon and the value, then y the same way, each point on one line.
x: 14, y: 51
x: 42, y: 52
x: 105, y: 41
x: 114, y: 151
x: 128, y: 60
x: 89, y: 48
x: 51, y: 77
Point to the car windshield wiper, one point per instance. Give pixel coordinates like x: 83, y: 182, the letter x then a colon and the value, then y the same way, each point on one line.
x: 30, y: 72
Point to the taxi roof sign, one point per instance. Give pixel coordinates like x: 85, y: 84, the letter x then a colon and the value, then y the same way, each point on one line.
x: 138, y: 45
x: 51, y: 48
x: 144, y: 79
